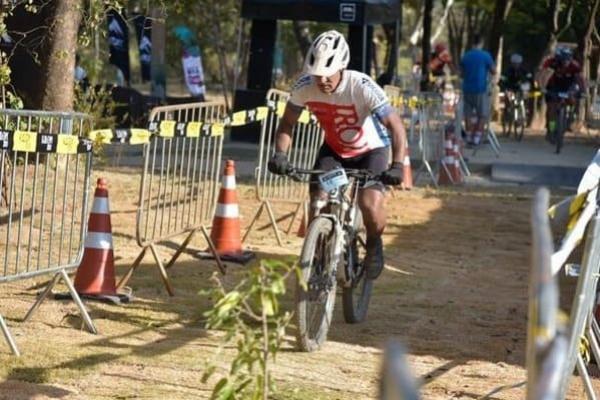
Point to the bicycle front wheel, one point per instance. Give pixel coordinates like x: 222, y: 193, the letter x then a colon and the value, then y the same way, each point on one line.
x: 356, y: 296
x: 561, y: 127
x: 315, y: 289
x: 520, y: 121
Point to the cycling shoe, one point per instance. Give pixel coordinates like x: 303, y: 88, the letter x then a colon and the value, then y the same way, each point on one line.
x: 374, y: 258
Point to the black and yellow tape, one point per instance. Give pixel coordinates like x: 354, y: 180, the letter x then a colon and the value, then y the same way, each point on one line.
x: 129, y: 136
x: 34, y: 142
x: 279, y: 108
x: 569, y: 210
x: 171, y: 128
x: 412, y: 102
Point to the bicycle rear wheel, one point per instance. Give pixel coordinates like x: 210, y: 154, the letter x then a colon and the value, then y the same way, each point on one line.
x: 356, y: 297
x: 506, y: 120
x: 561, y: 126
x: 520, y: 121
x: 316, y: 297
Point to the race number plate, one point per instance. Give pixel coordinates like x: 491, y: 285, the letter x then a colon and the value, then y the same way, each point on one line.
x: 334, y: 179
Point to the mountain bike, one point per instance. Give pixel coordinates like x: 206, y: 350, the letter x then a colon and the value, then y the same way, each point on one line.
x: 332, y: 254
x: 514, y: 116
x: 561, y: 121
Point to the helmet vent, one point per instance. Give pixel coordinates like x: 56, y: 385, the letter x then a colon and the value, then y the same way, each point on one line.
x: 336, y: 43
x: 329, y: 61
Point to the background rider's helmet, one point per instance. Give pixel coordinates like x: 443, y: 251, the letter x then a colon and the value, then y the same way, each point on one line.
x: 516, y: 58
x: 328, y: 54
x: 563, y: 54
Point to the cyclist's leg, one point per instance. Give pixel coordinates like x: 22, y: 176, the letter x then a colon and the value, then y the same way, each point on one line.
x: 372, y: 206
x: 551, y: 109
x: 326, y: 160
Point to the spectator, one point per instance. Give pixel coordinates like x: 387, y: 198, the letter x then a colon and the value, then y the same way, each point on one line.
x: 81, y: 77
x: 475, y: 66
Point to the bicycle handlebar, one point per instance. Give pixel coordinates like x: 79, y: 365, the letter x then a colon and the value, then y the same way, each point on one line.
x: 355, y: 173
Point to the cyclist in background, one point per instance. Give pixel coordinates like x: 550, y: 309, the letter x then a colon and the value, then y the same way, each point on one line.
x: 515, y: 75
x: 440, y: 58
x: 356, y: 116
x: 560, y: 73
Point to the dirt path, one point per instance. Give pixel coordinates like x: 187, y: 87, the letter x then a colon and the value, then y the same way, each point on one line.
x: 454, y: 291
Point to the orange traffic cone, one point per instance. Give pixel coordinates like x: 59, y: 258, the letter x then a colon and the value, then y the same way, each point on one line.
x: 302, y: 228
x: 457, y: 175
x: 446, y: 176
x: 226, y: 230
x: 407, y: 177
x: 95, y: 278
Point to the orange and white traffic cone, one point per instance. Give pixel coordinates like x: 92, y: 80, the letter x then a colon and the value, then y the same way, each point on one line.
x: 95, y: 278
x: 226, y: 231
x: 407, y: 177
x: 457, y: 175
x: 446, y: 175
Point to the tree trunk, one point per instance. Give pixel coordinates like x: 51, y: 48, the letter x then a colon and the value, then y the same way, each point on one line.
x: 60, y: 60
x: 456, y: 32
x: 28, y: 31
x: 302, y: 33
x: 501, y: 11
x: 555, y: 29
x: 426, y: 44
x: 585, y: 50
x: 443, y: 20
x: 495, y: 40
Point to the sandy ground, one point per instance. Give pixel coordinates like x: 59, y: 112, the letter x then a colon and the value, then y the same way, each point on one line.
x: 454, y: 291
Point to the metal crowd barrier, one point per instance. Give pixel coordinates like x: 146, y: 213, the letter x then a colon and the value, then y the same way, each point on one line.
x: 397, y: 382
x: 270, y: 188
x: 489, y: 135
x: 546, y: 340
x: 45, y: 171
x: 581, y: 216
x: 425, y: 122
x: 179, y: 185
x: 593, y: 115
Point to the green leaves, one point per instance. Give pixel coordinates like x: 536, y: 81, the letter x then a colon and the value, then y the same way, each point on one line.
x: 250, y: 314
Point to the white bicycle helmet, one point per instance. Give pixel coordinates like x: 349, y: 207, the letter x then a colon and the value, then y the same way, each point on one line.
x: 328, y: 54
x: 516, y: 58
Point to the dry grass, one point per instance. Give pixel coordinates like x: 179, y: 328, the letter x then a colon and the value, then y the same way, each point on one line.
x: 454, y: 291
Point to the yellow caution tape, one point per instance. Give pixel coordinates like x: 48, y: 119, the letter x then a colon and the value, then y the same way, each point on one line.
x: 193, y: 129
x: 34, y: 142
x: 24, y: 141
x: 575, y: 209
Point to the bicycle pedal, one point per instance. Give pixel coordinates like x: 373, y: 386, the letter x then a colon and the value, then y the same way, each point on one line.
x: 572, y: 270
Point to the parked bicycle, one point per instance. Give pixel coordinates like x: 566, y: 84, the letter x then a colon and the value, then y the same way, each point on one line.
x: 332, y: 254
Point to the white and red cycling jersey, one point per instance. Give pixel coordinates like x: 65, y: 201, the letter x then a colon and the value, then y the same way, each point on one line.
x: 350, y: 116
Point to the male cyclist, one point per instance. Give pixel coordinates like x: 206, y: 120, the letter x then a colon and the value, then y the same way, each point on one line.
x: 354, y: 113
x: 513, y: 80
x: 560, y: 74
x: 515, y: 75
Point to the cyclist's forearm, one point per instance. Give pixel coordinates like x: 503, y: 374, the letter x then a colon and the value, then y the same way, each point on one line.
x: 283, y: 140
x: 399, y: 143
x: 283, y: 135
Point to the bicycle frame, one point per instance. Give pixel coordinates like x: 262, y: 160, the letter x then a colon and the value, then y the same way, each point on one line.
x: 342, y: 211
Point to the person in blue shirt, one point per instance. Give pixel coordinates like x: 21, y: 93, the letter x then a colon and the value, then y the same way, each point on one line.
x: 476, y: 65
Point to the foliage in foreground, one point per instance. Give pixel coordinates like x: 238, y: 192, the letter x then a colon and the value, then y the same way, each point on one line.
x: 254, y: 323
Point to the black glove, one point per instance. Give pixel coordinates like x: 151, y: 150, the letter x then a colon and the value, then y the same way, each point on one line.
x: 393, y: 176
x: 279, y: 164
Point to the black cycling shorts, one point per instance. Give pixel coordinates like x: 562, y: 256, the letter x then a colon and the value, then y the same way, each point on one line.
x: 376, y: 161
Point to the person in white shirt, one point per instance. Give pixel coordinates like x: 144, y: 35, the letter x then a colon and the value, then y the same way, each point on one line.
x: 357, y: 119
